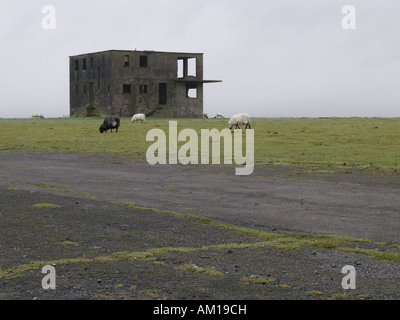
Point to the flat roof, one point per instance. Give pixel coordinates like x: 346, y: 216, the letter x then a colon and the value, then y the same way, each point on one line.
x: 140, y: 51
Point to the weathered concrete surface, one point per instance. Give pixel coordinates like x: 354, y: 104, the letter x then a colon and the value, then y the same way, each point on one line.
x: 126, y: 82
x: 90, y: 224
x: 352, y: 204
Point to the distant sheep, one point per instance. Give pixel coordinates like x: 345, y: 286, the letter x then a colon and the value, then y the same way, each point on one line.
x: 138, y: 117
x: 38, y: 115
x: 205, y: 115
x: 219, y: 115
x: 237, y: 119
x: 110, y: 123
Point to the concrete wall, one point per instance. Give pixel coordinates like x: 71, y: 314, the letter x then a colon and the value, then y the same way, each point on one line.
x: 152, y: 80
x: 89, y: 88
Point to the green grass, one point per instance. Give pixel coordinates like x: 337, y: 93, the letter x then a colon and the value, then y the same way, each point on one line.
x: 46, y: 186
x: 328, y: 142
x: 46, y: 205
x: 196, y: 269
x: 283, y: 240
x: 315, y: 293
x: 258, y: 280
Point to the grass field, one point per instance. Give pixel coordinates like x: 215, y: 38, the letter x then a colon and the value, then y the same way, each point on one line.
x: 324, y: 142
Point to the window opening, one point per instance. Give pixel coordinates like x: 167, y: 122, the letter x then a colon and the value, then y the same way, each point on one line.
x: 186, y: 67
x: 191, y: 68
x: 191, y: 91
x: 180, y: 68
x: 126, y: 88
x: 143, y: 61
x: 143, y: 88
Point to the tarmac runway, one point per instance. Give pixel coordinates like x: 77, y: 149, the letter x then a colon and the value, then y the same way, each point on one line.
x: 352, y: 203
x: 115, y: 228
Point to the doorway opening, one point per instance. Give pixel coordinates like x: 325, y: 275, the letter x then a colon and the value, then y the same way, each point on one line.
x: 162, y: 93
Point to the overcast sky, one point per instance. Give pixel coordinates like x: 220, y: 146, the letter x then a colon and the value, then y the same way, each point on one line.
x: 277, y: 58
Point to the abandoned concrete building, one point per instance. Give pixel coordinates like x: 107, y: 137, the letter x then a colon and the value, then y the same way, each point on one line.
x: 159, y: 84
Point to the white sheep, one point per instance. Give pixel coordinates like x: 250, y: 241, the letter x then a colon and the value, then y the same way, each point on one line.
x: 219, y: 115
x: 38, y: 115
x: 137, y: 117
x: 237, y: 119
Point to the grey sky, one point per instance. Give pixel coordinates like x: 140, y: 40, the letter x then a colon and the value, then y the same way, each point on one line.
x: 277, y: 58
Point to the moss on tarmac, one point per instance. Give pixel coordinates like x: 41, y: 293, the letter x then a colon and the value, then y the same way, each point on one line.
x: 105, y: 249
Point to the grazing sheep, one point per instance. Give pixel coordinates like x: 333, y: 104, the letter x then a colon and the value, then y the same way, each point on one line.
x: 237, y: 119
x: 110, y: 123
x: 205, y: 115
x: 38, y: 115
x: 219, y: 115
x: 137, y: 117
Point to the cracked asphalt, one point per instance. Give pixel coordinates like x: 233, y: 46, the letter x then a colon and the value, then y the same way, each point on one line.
x: 116, y: 228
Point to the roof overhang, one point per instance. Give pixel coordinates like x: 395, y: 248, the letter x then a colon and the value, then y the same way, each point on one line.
x: 196, y: 81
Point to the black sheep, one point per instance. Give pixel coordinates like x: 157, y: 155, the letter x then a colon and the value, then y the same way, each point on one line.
x: 110, y: 123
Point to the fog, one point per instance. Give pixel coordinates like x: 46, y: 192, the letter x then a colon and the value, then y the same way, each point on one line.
x: 285, y: 58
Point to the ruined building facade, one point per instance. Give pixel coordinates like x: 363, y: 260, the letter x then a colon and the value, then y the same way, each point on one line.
x: 115, y: 82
